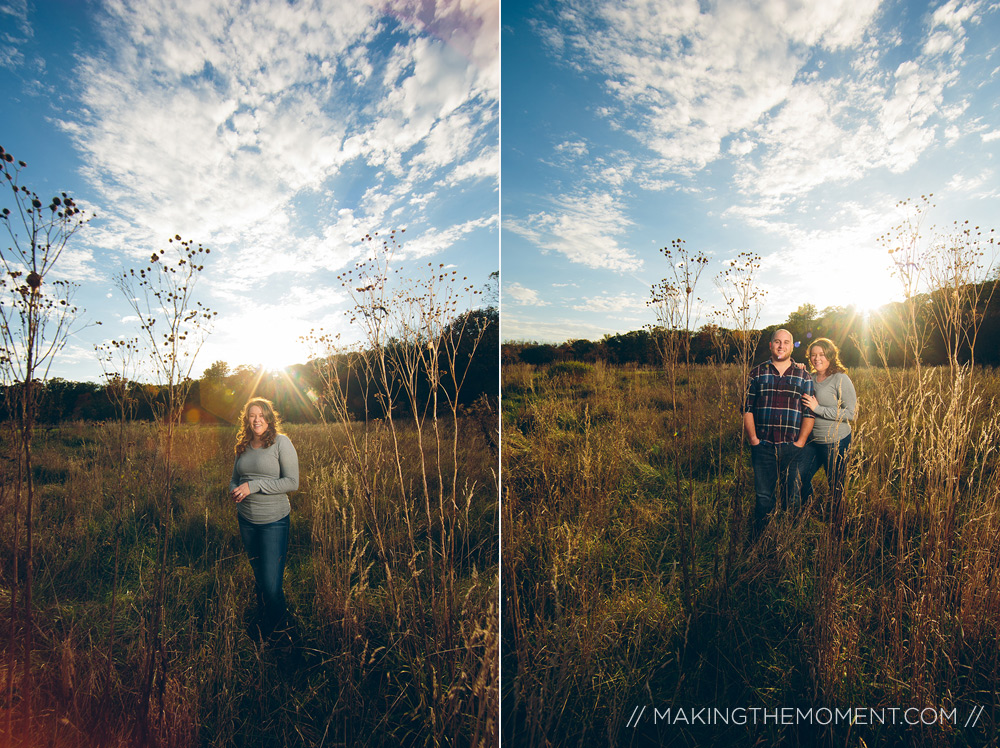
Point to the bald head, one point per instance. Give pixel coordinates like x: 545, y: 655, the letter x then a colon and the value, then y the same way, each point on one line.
x: 781, y: 346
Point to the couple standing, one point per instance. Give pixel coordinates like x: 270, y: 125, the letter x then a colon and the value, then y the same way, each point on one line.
x: 797, y: 422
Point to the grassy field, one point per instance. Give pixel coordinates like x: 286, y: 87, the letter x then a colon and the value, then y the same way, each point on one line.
x: 629, y: 583
x: 395, y: 597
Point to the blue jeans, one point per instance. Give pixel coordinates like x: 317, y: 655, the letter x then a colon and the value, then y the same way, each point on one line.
x: 774, y: 463
x: 831, y: 457
x: 267, y: 546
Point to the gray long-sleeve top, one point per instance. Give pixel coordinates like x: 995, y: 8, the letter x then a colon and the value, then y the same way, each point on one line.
x: 838, y: 403
x: 271, y: 473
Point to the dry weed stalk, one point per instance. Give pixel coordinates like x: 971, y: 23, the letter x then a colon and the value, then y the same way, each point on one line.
x: 119, y: 362
x: 923, y: 484
x: 958, y: 265
x: 744, y: 301
x: 36, y: 316
x: 904, y: 245
x: 174, y: 325
x: 417, y: 345
x: 677, y: 309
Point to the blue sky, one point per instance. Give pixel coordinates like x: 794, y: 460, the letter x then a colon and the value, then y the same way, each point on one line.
x: 277, y: 134
x: 787, y: 129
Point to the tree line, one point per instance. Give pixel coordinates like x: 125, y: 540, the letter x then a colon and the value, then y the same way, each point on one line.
x: 862, y: 338
x: 218, y: 395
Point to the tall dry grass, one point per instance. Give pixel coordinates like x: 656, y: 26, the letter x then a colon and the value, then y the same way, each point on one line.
x: 363, y: 674
x: 892, y: 605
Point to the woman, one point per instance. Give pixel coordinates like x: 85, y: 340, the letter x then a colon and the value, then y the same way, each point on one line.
x: 834, y: 404
x: 266, y: 469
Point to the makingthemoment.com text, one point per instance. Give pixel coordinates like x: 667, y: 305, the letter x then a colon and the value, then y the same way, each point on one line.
x: 798, y: 715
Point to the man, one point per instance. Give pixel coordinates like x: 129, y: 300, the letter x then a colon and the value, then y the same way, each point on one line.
x: 777, y: 423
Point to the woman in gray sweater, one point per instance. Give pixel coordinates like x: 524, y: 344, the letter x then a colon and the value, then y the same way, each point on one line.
x: 266, y: 470
x: 834, y: 404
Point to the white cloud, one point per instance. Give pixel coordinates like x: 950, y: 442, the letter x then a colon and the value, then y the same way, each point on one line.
x: 486, y: 166
x: 684, y: 80
x: 608, y: 303
x: 432, y: 242
x: 954, y: 14
x: 552, y: 330
x: 583, y: 227
x: 77, y: 265
x: 741, y: 147
x: 940, y: 42
x: 522, y: 295
x: 948, y: 27
x: 970, y: 183
x: 697, y: 83
x: 15, y: 30
x: 240, y: 127
x: 470, y: 27
x: 575, y: 148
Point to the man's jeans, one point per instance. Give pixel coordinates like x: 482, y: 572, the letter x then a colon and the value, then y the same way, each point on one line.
x: 831, y: 457
x: 771, y: 463
x: 267, y: 546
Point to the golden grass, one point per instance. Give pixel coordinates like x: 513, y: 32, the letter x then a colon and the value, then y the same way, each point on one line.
x: 403, y: 662
x: 627, y: 581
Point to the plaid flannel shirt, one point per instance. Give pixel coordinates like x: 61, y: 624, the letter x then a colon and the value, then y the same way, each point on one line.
x: 776, y: 401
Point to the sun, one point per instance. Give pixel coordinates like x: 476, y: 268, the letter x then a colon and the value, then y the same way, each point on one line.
x: 871, y: 286
x: 859, y: 277
x: 283, y: 348
x: 867, y: 293
x: 270, y: 340
x: 280, y: 357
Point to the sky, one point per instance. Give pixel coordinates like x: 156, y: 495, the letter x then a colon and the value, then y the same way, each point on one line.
x: 789, y: 130
x: 276, y: 134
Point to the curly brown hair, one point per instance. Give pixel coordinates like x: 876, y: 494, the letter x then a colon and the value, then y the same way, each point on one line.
x: 832, y: 354
x: 245, y: 435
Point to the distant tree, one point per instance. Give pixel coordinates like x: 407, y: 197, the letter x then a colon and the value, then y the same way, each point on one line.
x: 805, y: 314
x: 635, y: 346
x: 582, y: 350
x: 476, y: 354
x: 62, y: 401
x: 510, y: 353
x: 244, y: 380
x: 706, y: 344
x: 491, y: 292
x: 539, y: 354
x: 214, y: 394
x: 988, y: 342
x: 217, y: 371
x: 845, y: 326
x: 800, y: 324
